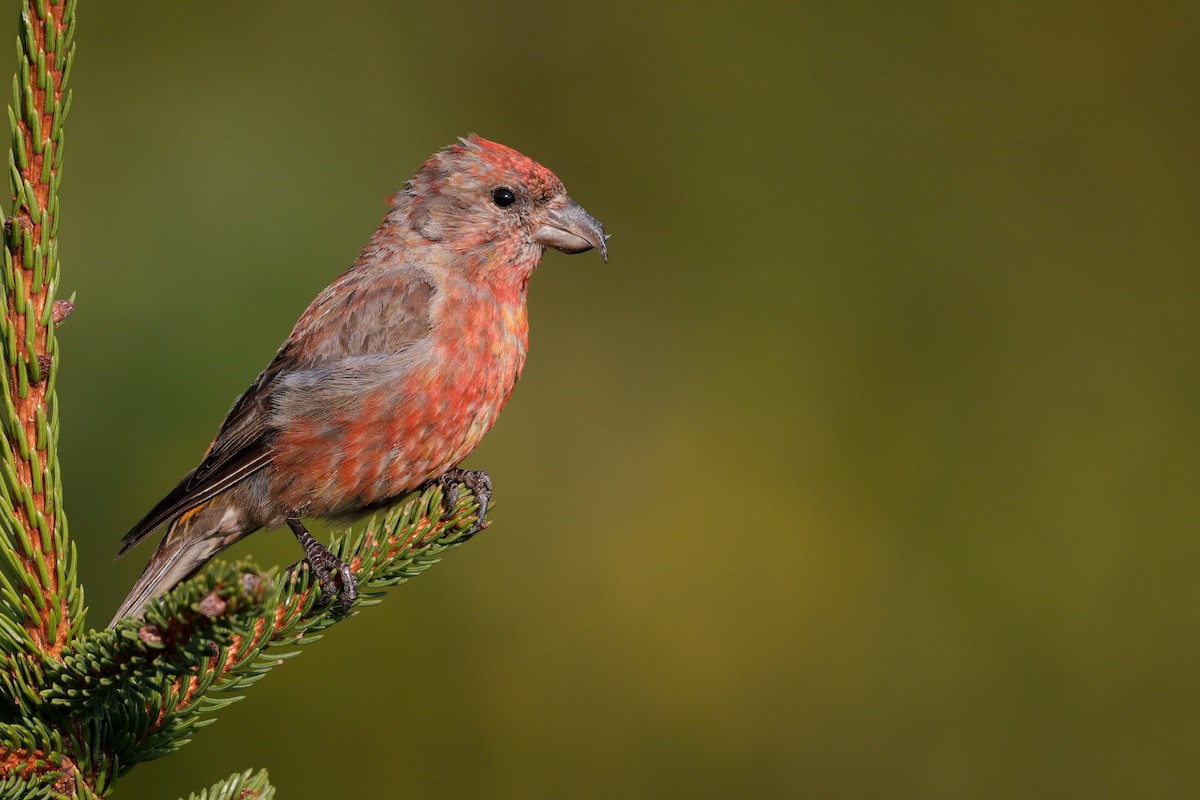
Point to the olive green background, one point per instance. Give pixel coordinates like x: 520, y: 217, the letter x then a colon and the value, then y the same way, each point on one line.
x: 867, y: 468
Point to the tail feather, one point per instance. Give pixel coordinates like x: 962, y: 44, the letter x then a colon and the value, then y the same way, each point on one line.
x: 190, y: 542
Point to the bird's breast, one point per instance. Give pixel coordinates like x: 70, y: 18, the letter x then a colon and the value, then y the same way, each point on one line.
x: 398, y: 436
x: 478, y: 354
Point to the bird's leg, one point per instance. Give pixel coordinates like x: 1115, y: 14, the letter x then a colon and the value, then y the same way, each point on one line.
x: 326, y: 566
x: 480, y: 485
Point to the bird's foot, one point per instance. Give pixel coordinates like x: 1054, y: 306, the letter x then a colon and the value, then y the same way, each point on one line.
x: 480, y: 485
x: 330, y: 571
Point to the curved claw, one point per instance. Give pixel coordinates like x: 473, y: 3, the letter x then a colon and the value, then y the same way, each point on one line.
x: 329, y: 570
x: 480, y: 484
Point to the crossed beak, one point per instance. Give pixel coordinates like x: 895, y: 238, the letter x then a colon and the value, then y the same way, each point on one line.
x: 571, y: 229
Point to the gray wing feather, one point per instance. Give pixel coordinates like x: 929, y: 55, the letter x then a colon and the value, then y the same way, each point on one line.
x: 356, y: 335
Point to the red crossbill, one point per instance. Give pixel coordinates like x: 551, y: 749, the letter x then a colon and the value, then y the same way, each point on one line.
x: 392, y: 375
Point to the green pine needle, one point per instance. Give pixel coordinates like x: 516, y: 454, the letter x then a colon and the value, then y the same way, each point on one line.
x: 248, y: 785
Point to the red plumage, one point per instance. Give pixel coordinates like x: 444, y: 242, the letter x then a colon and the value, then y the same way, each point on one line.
x: 392, y: 375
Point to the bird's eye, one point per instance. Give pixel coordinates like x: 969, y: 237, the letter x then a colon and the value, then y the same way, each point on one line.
x: 504, y: 197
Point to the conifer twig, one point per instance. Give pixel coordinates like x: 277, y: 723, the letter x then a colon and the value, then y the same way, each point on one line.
x: 246, y: 785
x: 39, y: 593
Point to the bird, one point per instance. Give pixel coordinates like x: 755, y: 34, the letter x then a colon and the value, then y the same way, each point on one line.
x: 391, y: 376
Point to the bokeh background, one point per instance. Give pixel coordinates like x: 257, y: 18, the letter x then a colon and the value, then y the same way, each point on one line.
x: 867, y: 468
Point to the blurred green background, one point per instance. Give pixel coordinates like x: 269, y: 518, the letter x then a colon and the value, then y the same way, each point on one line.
x: 867, y: 468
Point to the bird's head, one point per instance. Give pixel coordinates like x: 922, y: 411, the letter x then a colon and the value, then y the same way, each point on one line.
x: 481, y: 197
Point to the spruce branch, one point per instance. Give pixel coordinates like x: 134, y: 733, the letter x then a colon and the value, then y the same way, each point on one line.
x: 246, y: 785
x: 32, y: 762
x: 406, y: 542
x: 41, y: 601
